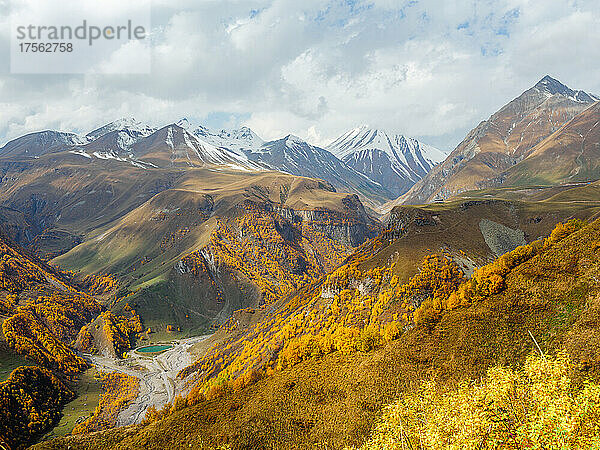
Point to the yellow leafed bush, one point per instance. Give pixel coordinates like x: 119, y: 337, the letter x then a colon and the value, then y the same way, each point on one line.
x: 485, y: 282
x: 537, y: 406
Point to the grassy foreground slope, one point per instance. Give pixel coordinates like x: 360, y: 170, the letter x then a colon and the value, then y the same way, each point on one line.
x: 535, y: 406
x: 334, y: 400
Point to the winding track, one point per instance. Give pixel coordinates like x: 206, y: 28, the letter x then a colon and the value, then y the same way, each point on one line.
x: 157, y: 375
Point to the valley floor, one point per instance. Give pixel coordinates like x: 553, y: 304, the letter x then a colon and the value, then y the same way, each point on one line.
x: 157, y: 374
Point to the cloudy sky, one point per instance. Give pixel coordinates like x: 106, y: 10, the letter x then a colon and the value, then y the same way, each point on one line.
x: 430, y: 69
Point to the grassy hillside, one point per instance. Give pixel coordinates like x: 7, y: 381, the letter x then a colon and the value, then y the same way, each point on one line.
x: 223, y: 241
x: 549, y: 290
x: 414, y: 232
x: 352, y: 297
x: 568, y: 155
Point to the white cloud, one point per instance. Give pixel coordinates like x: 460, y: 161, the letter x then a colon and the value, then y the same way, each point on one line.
x: 131, y: 57
x: 315, y: 68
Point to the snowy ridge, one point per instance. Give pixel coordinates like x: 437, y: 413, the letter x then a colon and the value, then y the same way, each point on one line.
x: 34, y: 145
x: 117, y: 138
x: 367, y: 156
x: 239, y: 140
x: 293, y: 155
x: 551, y: 86
x: 396, y: 146
x: 128, y: 125
x: 177, y: 145
x: 130, y: 141
x: 393, y: 160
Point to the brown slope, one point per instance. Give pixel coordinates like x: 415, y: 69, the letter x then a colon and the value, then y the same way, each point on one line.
x: 334, y: 401
x: 173, y: 146
x: 571, y: 154
x: 219, y: 241
x: 61, y: 197
x: 501, y: 141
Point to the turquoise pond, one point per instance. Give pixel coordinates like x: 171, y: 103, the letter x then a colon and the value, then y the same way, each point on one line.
x: 154, y: 348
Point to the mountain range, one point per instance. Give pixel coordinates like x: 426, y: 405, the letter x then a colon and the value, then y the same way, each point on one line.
x: 392, y: 160
x: 381, y: 167
x: 376, y: 166
x: 294, y: 313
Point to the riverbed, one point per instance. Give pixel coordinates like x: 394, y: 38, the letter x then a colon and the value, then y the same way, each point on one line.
x: 157, y: 374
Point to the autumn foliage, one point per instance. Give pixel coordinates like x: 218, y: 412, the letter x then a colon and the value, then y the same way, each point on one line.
x: 490, y: 279
x: 548, y: 289
x: 278, y: 255
x: 30, y: 402
x: 44, y: 312
x: 121, y: 330
x: 85, y: 340
x: 28, y: 336
x: 536, y: 406
x: 16, y: 271
x: 119, y: 390
x: 43, y: 327
x: 351, y: 310
x: 45, y: 315
x: 100, y: 284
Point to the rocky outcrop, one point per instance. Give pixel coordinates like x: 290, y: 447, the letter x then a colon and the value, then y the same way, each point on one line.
x: 499, y: 238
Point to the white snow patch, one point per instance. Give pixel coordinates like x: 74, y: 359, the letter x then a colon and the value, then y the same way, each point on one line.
x: 81, y: 153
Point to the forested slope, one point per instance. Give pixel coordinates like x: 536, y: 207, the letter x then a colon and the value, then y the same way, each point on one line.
x: 546, y: 290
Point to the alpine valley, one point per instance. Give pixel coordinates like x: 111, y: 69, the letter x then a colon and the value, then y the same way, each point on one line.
x: 184, y: 287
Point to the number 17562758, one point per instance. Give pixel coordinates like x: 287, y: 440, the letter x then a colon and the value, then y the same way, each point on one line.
x: 46, y: 47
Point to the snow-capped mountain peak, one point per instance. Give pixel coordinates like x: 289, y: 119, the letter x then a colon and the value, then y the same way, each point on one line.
x: 184, y: 123
x: 551, y: 86
x: 393, y: 144
x: 127, y: 124
x: 292, y: 140
x: 391, y: 159
x: 364, y: 159
x: 175, y: 145
x: 115, y: 139
x: 34, y: 145
x: 238, y: 140
x: 295, y: 156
